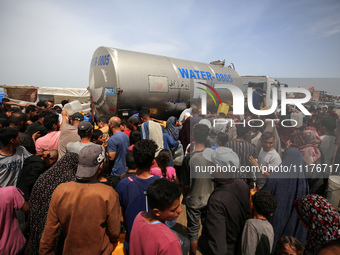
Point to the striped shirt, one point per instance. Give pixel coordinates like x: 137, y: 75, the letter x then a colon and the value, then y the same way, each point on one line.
x: 243, y: 150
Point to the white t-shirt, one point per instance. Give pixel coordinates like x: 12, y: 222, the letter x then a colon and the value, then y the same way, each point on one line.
x: 268, y: 160
x: 76, y: 147
x: 10, y: 166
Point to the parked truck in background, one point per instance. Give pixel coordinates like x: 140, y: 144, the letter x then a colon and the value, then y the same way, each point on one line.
x: 265, y: 83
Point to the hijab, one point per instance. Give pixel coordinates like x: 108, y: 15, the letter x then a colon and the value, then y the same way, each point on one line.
x: 310, y: 149
x: 62, y: 171
x: 185, y: 133
x: 321, y: 218
x: 287, y: 187
x: 171, y: 128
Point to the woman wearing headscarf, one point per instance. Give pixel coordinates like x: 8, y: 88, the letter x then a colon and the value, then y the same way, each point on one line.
x: 171, y: 128
x: 312, y: 155
x: 320, y: 218
x: 287, y: 187
x: 310, y: 150
x: 62, y: 171
x: 184, y: 134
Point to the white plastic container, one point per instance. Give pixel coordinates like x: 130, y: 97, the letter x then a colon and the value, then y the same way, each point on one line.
x: 298, y: 117
x: 73, y: 107
x: 333, y: 191
x: 86, y: 107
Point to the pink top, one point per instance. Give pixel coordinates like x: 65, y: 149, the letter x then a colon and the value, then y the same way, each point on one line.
x: 12, y: 239
x: 170, y: 172
x: 48, y: 142
x: 152, y: 238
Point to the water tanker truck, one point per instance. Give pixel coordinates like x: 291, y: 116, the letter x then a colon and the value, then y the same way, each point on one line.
x: 122, y: 81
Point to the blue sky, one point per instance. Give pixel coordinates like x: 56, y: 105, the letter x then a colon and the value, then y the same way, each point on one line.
x: 51, y: 43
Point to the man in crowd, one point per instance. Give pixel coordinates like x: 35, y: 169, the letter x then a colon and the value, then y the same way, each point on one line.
x: 268, y: 158
x: 18, y: 121
x: 117, y: 147
x: 85, y: 130
x: 87, y: 210
x: 51, y: 140
x: 228, y: 206
x: 151, y: 130
x: 38, y: 126
x: 244, y: 150
x: 199, y: 187
x: 32, y: 114
x: 69, y: 132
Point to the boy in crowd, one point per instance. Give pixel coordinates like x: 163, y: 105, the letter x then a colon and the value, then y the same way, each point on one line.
x: 199, y: 188
x: 97, y: 137
x: 164, y: 199
x: 131, y: 164
x: 12, y: 157
x: 132, y: 190
x: 268, y: 159
x: 258, y: 233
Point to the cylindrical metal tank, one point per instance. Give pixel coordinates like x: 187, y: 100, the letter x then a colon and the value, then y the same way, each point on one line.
x: 122, y: 81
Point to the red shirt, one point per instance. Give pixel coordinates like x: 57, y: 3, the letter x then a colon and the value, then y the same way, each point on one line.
x: 163, y: 240
x: 127, y: 131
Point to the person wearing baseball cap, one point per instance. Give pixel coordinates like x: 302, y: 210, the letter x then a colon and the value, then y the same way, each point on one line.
x: 87, y: 210
x: 229, y: 203
x: 85, y: 130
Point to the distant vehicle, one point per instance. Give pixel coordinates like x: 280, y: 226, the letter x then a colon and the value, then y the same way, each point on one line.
x: 330, y: 103
x: 265, y: 83
x: 315, y: 104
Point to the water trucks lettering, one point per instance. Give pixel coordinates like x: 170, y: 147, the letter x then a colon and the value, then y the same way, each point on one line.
x: 196, y: 74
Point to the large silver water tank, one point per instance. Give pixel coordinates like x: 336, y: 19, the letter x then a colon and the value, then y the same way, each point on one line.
x: 122, y: 81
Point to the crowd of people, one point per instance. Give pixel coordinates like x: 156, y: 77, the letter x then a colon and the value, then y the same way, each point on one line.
x: 73, y: 184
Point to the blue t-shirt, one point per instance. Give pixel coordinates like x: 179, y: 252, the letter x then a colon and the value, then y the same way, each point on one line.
x: 119, y: 143
x: 133, y: 199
